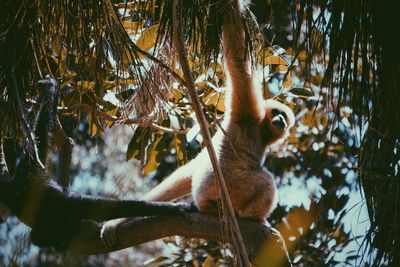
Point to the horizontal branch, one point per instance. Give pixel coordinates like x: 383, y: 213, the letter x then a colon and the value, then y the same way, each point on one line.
x: 257, y: 237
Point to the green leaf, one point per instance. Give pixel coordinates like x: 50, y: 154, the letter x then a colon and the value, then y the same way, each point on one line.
x: 301, y: 92
x: 156, y: 260
x: 139, y: 139
x: 151, y: 156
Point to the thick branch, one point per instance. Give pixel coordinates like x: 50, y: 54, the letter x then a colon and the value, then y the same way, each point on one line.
x: 257, y: 237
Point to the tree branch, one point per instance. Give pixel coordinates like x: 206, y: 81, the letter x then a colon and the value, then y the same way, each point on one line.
x: 65, y: 146
x: 30, y: 136
x: 106, y: 116
x: 257, y: 237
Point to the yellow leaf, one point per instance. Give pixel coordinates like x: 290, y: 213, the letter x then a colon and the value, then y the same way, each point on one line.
x: 85, y: 85
x: 269, y: 51
x: 128, y: 59
x: 179, y: 72
x: 128, y: 25
x: 275, y: 60
x: 208, y: 262
x: 151, y: 160
x: 112, y: 112
x: 302, y: 56
x: 180, y: 153
x: 175, y: 94
x: 148, y: 38
x: 129, y: 82
x: 292, y: 139
x: 216, y: 99
x: 92, y: 125
x: 108, y: 85
x: 150, y: 166
x: 129, y: 5
x: 287, y: 82
x: 282, y: 68
x: 218, y: 68
x: 201, y: 84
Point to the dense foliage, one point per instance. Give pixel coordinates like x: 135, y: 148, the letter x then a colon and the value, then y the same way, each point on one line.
x: 331, y: 61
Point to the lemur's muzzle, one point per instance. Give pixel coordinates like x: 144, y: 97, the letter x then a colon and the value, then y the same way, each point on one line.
x: 279, y: 121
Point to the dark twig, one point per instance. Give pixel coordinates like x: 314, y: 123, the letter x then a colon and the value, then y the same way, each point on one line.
x: 24, y: 121
x: 106, y: 116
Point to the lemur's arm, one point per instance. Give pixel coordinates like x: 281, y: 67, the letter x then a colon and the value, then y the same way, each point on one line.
x: 178, y: 184
x: 243, y: 97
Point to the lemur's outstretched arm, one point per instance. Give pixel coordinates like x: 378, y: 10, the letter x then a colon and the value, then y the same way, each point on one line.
x: 242, y: 101
x: 243, y: 96
x: 54, y: 215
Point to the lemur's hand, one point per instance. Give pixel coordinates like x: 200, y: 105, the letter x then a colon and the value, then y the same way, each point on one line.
x: 108, y: 232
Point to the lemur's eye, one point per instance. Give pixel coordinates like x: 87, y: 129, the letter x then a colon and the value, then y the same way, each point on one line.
x: 275, y: 112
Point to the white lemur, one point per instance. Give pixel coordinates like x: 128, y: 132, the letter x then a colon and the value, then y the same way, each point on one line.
x: 56, y: 216
x: 251, y: 124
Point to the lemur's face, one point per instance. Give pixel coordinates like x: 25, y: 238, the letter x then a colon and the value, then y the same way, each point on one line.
x: 279, y: 119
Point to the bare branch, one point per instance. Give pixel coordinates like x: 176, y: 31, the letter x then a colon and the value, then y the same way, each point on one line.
x: 160, y: 63
x: 14, y: 92
x: 106, y: 116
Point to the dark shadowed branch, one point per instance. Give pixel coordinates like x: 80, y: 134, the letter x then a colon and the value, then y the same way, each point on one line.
x: 65, y: 146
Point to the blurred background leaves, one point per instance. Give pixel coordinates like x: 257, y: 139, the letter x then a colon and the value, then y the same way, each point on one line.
x: 335, y: 63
